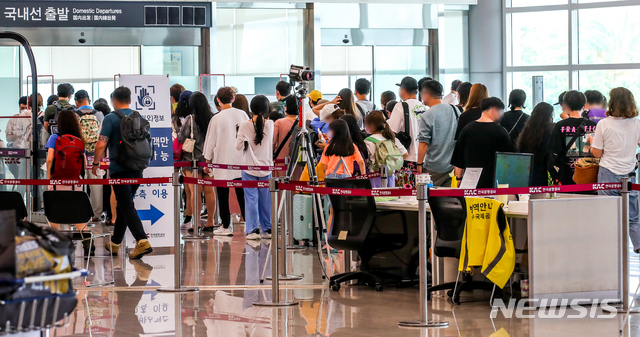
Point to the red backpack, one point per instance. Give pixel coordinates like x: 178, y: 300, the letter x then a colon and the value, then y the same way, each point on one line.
x: 68, y: 159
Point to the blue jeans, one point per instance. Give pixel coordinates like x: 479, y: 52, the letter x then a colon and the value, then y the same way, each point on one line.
x: 606, y: 176
x: 257, y: 203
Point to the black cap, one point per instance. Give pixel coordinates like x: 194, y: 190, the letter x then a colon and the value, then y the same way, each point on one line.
x: 81, y: 94
x: 560, y: 98
x: 408, y: 83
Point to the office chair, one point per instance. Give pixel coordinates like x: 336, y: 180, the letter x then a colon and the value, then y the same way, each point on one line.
x: 450, y: 217
x: 354, y: 228
x: 13, y: 201
x: 74, y: 207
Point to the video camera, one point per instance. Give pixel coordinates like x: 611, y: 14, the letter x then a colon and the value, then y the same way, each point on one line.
x: 300, y: 74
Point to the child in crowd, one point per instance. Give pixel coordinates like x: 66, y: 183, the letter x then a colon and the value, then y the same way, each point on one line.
x: 338, y: 157
x: 255, y: 140
x: 376, y: 124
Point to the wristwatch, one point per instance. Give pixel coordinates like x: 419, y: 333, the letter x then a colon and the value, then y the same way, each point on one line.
x: 96, y: 164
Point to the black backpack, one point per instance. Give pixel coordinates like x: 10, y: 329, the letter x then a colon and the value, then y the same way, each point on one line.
x: 405, y: 136
x: 53, y: 124
x: 136, y: 149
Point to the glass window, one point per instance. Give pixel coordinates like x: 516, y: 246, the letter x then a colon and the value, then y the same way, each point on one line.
x: 394, y: 16
x: 340, y: 15
x: 609, y: 35
x: 605, y: 80
x: 555, y: 83
x: 539, y: 38
x: 526, y: 3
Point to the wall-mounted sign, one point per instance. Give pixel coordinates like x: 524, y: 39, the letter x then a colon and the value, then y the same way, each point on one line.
x: 104, y: 14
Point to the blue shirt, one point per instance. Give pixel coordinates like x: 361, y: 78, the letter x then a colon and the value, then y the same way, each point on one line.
x: 438, y: 129
x: 111, y: 129
x: 316, y: 124
x: 51, y: 143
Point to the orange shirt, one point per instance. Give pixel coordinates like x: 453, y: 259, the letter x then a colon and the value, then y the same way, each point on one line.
x: 330, y: 162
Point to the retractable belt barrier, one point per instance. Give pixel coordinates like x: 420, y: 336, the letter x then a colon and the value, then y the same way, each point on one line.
x: 127, y: 181
x: 456, y: 192
x: 227, y: 183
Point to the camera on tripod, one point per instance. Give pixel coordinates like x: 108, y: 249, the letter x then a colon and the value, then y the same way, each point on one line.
x: 300, y: 73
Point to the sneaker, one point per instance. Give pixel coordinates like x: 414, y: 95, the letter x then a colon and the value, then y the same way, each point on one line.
x: 143, y: 247
x: 255, y: 235
x: 186, y: 225
x: 266, y: 234
x: 143, y: 270
x: 112, y: 248
x: 223, y: 231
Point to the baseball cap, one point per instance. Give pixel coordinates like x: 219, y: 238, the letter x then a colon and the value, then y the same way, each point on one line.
x: 560, y: 98
x: 315, y: 95
x: 408, y: 83
x: 81, y: 94
x: 327, y: 111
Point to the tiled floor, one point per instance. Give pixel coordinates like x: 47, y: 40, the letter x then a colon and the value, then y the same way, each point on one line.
x: 228, y: 272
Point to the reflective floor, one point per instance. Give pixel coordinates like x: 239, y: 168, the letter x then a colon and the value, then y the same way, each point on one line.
x: 228, y: 272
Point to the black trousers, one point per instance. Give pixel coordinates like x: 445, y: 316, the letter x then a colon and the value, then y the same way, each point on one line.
x: 106, y: 200
x: 125, y: 208
x: 223, y: 199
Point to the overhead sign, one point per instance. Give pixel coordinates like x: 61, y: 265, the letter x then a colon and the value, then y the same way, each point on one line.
x: 105, y: 14
x: 154, y: 202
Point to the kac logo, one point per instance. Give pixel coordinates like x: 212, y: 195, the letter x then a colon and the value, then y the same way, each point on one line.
x: 145, y: 101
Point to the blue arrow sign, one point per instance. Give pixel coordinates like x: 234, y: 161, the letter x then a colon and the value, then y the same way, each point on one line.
x: 153, y: 214
x: 153, y: 293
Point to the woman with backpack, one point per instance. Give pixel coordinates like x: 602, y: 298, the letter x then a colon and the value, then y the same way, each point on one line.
x: 383, y: 148
x: 194, y: 129
x: 255, y: 140
x: 337, y: 161
x: 66, y: 158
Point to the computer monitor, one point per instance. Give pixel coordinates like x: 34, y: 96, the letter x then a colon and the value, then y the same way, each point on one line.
x: 513, y: 169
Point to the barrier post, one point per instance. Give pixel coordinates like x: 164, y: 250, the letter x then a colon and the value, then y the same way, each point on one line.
x: 424, y: 321
x: 626, y: 305
x: 284, y: 276
x: 195, y: 219
x: 29, y: 189
x: 177, y: 251
x: 384, y: 175
x: 288, y: 215
x: 275, y: 284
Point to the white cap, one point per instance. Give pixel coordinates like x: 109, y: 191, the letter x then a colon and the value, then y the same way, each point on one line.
x: 327, y: 110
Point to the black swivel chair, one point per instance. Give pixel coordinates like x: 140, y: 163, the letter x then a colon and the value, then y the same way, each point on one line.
x: 354, y: 228
x: 450, y: 217
x: 13, y: 201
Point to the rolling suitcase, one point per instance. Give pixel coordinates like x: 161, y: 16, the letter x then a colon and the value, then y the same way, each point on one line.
x: 303, y: 217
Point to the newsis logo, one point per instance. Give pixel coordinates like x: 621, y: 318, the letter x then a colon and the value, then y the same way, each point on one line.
x: 554, y: 308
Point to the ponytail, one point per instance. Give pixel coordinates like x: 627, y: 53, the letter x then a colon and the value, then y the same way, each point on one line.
x: 259, y: 128
x: 260, y: 107
x: 387, y: 133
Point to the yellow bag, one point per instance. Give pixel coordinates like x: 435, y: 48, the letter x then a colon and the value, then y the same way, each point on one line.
x: 305, y: 174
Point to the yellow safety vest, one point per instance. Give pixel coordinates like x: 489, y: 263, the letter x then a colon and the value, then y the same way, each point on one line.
x: 487, y: 241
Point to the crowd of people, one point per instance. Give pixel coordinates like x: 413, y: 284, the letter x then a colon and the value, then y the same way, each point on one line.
x: 423, y: 129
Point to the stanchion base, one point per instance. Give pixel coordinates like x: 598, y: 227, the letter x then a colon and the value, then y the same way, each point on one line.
x: 275, y: 304
x: 619, y: 309
x: 194, y: 238
x: 296, y: 247
x: 286, y: 278
x: 420, y: 324
x: 177, y: 290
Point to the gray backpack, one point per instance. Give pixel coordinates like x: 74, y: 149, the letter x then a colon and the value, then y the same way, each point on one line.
x: 136, y: 149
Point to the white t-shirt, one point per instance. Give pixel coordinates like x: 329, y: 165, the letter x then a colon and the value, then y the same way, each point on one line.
x: 371, y: 146
x: 221, y: 131
x: 618, y: 138
x: 451, y: 98
x: 396, y: 123
x: 258, y: 155
x: 309, y: 115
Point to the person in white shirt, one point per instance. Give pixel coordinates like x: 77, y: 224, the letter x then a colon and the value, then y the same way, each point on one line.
x: 616, y: 142
x: 255, y: 141
x: 223, y: 127
x: 408, y: 92
x: 363, y: 105
x: 452, y: 98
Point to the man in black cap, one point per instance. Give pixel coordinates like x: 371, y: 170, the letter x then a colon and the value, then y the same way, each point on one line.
x: 408, y: 92
x: 90, y: 122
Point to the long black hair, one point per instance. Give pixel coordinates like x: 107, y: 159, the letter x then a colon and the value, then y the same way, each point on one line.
x: 537, y: 126
x: 260, y: 108
x: 356, y: 135
x: 347, y: 103
x: 341, y: 143
x: 201, y: 111
x: 182, y: 109
x: 68, y: 124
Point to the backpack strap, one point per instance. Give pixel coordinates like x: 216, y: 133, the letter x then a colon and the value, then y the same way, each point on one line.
x: 407, y: 120
x: 286, y: 138
x: 119, y: 113
x: 371, y: 139
x: 361, y: 110
x: 455, y: 110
